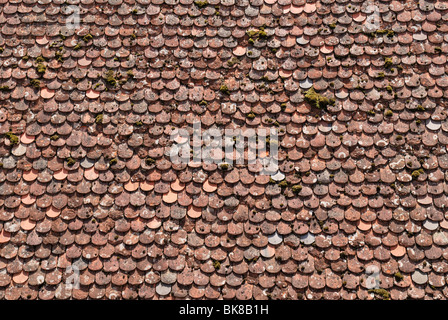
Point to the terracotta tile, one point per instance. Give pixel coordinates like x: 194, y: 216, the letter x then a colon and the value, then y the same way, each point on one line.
x: 177, y: 185
x: 52, y: 212
x: 146, y: 186
x: 27, y: 224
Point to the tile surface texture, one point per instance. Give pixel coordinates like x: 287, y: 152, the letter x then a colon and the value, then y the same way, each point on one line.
x: 86, y: 184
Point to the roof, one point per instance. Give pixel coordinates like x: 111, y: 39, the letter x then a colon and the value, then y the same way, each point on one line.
x: 87, y: 187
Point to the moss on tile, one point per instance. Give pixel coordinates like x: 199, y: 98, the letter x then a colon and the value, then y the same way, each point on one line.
x: 398, y: 276
x: 224, y: 89
x: 416, y: 173
x: 257, y: 34
x: 388, y: 32
x: 296, y: 188
x: 40, y: 59
x: 70, y: 161
x: 233, y: 61
x: 110, y: 78
x: 13, y: 139
x: 421, y: 108
x: 99, y: 118
x: 35, y: 83
x: 150, y: 161
x: 283, y: 184
x: 388, y: 63
x: 216, y: 264
x: 41, y: 68
x: 317, y: 100
x: 383, y: 293
x: 59, y: 55
x: 87, y: 37
x: 201, y: 3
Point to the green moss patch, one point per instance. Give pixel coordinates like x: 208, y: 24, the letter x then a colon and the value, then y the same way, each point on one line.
x: 224, y: 89
x: 99, y: 118
x: 41, y: 68
x: 110, y: 78
x: 381, y: 293
x: 13, y: 139
x: 35, y: 83
x: 296, y: 188
x: 70, y: 161
x: 150, y: 161
x: 388, y: 63
x: 317, y: 100
x: 201, y: 3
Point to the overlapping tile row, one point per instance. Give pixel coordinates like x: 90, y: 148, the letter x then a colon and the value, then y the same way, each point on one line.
x: 86, y: 182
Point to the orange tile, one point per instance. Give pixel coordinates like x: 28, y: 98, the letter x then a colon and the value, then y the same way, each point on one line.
x: 364, y: 226
x: 154, y: 223
x: 42, y: 40
x: 52, y: 212
x: 398, y: 251
x: 444, y: 224
x: 131, y: 186
x: 26, y: 139
x: 209, y: 187
x: 4, y: 236
x: 28, y: 199
x: 27, y: 224
x: 170, y: 197
x: 92, y: 94
x: 194, y: 212
x: 177, y: 185
x: 239, y: 50
x: 426, y: 200
x: 147, y: 185
x: 30, y: 175
x: 84, y: 62
x: 47, y: 93
x: 296, y: 9
x: 61, y: 174
x: 21, y: 277
x: 91, y: 174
